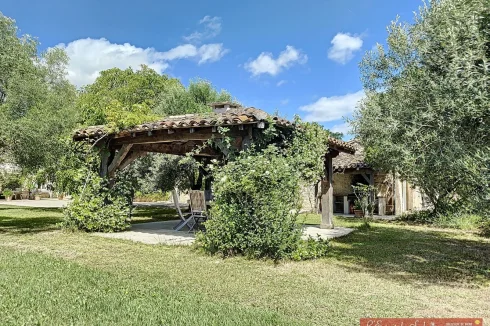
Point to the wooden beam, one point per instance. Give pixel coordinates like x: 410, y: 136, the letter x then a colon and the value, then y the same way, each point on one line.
x: 165, y: 138
x: 368, y: 179
x: 327, y: 195
x: 121, y: 154
x: 130, y: 158
x: 353, y: 171
x: 177, y: 149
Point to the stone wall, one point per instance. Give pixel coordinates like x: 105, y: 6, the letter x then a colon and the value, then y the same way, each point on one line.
x: 342, y: 184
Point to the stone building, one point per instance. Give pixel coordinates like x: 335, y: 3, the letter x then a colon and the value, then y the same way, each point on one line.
x: 393, y: 195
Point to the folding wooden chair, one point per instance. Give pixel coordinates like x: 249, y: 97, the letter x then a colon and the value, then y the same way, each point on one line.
x: 198, y: 206
x: 187, y: 220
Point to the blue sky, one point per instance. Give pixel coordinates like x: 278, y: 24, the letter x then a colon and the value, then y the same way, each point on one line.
x: 296, y: 57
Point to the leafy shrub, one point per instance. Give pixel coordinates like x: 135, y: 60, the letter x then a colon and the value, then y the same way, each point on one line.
x: 99, y: 208
x: 422, y: 217
x: 256, y: 201
x: 310, y: 249
x: 461, y: 221
x: 10, y: 180
x: 7, y: 193
x: 485, y: 229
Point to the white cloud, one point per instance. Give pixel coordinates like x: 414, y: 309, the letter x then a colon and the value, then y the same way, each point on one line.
x: 343, y: 47
x: 212, y: 27
x: 266, y: 64
x: 281, y: 82
x: 211, y: 52
x: 332, y: 108
x: 343, y: 128
x: 179, y: 52
x: 285, y: 101
x: 90, y: 56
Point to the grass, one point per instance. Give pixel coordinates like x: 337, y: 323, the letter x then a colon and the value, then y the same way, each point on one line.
x: 52, y: 277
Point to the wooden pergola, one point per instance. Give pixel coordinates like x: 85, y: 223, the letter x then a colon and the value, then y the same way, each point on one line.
x: 191, y: 133
x: 335, y: 147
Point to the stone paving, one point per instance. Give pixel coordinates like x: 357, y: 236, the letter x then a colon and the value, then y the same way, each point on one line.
x: 43, y: 203
x: 154, y: 233
x: 162, y: 233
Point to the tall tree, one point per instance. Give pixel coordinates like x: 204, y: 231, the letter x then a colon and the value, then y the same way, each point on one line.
x: 177, y: 99
x: 427, y: 111
x: 36, y: 100
x: 117, y: 90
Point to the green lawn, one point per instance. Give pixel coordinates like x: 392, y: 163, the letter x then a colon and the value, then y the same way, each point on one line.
x: 49, y: 277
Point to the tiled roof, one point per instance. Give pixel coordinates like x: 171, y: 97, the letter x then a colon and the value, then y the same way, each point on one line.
x: 340, y: 144
x: 345, y: 161
x: 234, y: 116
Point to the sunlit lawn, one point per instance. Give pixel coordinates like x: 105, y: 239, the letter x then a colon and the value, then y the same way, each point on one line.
x: 56, y: 278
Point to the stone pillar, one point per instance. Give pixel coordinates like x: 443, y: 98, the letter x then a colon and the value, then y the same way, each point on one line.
x: 327, y: 195
x: 346, y: 205
x: 381, y: 206
x: 398, y: 197
x: 409, y: 197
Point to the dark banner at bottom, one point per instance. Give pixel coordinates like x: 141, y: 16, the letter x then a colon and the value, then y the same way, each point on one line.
x: 421, y: 322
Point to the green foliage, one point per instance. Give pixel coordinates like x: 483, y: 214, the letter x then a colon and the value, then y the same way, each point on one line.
x: 151, y: 197
x: 177, y: 100
x: 256, y: 201
x: 461, y: 221
x: 118, y: 117
x: 307, y: 148
x: 311, y: 249
x: 10, y: 180
x: 98, y: 208
x: 7, y: 193
x: 36, y: 100
x: 485, y: 229
x: 364, y: 198
x: 426, y: 111
x: 170, y: 171
x: 98, y: 205
x: 121, y: 90
x: 163, y: 173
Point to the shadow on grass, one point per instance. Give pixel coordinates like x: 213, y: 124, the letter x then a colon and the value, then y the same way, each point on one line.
x: 17, y: 219
x: 144, y: 214
x: 414, y: 255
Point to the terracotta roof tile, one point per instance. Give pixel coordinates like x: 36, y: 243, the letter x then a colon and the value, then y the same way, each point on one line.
x: 233, y: 116
x: 345, y: 161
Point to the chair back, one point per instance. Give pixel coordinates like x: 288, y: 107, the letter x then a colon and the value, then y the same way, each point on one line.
x: 175, y: 197
x: 198, y: 201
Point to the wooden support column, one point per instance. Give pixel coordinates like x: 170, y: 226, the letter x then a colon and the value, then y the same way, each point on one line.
x: 118, y: 158
x: 327, y: 195
x: 372, y: 194
x: 104, y: 161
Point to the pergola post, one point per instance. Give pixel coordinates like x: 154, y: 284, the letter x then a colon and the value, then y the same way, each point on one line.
x: 104, y: 161
x: 327, y: 195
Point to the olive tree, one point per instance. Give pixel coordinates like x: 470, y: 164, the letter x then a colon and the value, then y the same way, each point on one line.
x: 426, y: 114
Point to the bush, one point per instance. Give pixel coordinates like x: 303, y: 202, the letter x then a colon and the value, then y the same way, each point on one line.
x: 151, y: 197
x: 485, y: 229
x: 422, y: 217
x: 98, y: 208
x: 256, y: 202
x: 7, y: 193
x: 10, y: 180
x: 311, y: 249
x: 461, y: 221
